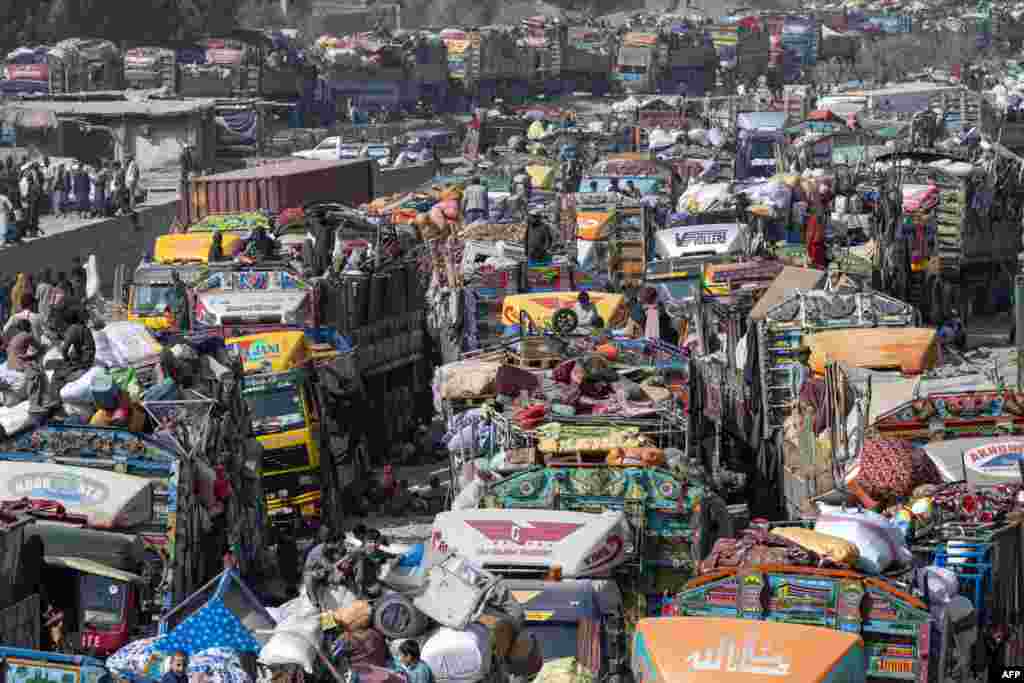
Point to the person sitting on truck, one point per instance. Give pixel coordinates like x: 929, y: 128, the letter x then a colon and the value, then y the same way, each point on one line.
x: 586, y: 314
x: 631, y: 190
x: 216, y: 248
x: 27, y: 312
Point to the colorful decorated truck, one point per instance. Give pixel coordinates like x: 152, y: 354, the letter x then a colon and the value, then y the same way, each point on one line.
x: 569, y: 58
x: 488, y: 63
x: 896, y: 627
x: 658, y: 504
x: 559, y: 566
x: 119, y: 514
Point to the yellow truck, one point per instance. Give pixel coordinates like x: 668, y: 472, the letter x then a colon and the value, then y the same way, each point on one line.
x: 278, y: 387
x: 151, y: 290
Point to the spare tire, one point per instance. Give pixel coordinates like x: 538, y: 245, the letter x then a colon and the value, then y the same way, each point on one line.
x: 395, y: 616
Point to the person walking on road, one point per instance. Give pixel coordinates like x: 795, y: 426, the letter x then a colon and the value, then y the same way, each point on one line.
x: 8, y: 227
x: 80, y: 189
x: 131, y: 180
x: 25, y: 193
x: 58, y: 189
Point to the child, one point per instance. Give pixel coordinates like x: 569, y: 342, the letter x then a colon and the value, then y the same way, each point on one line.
x: 176, y: 674
x: 415, y: 669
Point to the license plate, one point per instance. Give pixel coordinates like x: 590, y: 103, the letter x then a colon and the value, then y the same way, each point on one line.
x: 895, y: 666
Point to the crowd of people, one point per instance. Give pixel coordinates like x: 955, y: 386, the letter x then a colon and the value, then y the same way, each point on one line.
x: 33, y: 188
x: 42, y: 312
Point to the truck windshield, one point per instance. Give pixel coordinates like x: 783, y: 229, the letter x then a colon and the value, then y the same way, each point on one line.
x: 275, y: 410
x: 152, y: 299
x: 762, y: 149
x: 677, y: 291
x: 102, y: 599
x: 558, y: 640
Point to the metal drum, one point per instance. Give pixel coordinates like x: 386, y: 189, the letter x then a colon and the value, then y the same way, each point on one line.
x: 379, y: 305
x: 356, y: 293
x: 414, y: 292
x: 396, y: 292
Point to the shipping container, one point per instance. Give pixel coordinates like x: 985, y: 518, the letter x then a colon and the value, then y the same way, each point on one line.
x: 278, y: 186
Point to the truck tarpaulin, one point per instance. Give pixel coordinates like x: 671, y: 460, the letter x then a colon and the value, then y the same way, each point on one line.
x: 106, y: 499
x: 278, y: 186
x: 581, y: 544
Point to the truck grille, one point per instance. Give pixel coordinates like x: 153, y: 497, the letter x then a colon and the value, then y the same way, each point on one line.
x: 285, y: 459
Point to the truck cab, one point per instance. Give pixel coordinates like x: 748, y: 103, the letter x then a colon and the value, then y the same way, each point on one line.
x: 150, y: 292
x: 760, y: 135
x: 286, y: 419
x: 636, y: 65
x: 682, y: 253
x: 234, y: 301
x: 559, y: 566
x: 32, y: 666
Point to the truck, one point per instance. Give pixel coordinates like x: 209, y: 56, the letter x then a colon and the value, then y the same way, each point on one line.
x: 85, y: 65
x: 568, y: 59
x: 759, y: 139
x: 286, y: 420
x: 71, y: 66
x: 487, y: 64
x: 384, y: 75
x: 123, y: 517
x: 560, y: 566
x: 229, y: 68
x: 248, y: 62
x: 26, y: 71
x: 281, y: 185
x: 148, y: 292
x: 149, y: 67
x: 972, y: 255
x: 20, y: 611
x: 659, y: 61
x: 232, y: 300
x: 743, y: 46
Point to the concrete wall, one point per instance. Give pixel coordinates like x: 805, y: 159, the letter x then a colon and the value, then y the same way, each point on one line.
x: 157, y: 143
x: 114, y: 241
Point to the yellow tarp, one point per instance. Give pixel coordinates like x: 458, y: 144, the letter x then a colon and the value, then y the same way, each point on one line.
x: 282, y: 350
x: 541, y: 307
x: 543, y: 177
x: 536, y: 130
x: 192, y: 247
